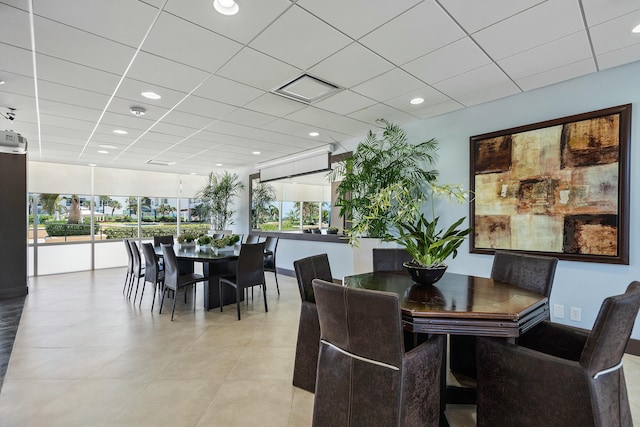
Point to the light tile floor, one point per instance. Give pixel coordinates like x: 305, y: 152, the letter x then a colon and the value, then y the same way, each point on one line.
x: 85, y: 355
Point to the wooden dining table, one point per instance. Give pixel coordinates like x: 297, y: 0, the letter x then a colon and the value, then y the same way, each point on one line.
x: 214, y: 266
x: 458, y: 304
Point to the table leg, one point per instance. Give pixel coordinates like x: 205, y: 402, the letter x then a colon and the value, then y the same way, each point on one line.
x: 214, y: 271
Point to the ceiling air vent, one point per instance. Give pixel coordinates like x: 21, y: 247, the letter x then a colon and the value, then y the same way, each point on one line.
x: 307, y: 89
x: 160, y: 163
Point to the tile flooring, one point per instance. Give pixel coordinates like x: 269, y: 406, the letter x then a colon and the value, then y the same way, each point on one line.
x: 84, y: 355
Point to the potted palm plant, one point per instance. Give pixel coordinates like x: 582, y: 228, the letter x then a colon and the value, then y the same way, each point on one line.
x: 217, y: 197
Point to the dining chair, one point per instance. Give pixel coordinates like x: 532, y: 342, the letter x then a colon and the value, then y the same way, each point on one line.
x: 562, y: 376
x: 129, y: 274
x: 158, y: 240
x: 365, y: 377
x: 138, y: 268
x: 152, y: 272
x: 252, y: 239
x: 270, y: 247
x: 308, y: 344
x: 217, y: 236
x: 175, y: 281
x: 249, y: 273
x: 532, y: 272
x: 390, y: 259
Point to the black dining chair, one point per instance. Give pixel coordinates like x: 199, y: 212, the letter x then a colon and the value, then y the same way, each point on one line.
x: 561, y: 376
x: 158, y: 240
x: 249, y: 273
x: 252, y: 239
x: 138, y: 268
x: 175, y: 281
x: 270, y: 247
x: 129, y: 276
x: 152, y: 272
x: 390, y: 259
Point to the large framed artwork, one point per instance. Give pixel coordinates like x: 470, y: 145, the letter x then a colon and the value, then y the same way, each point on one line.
x: 559, y: 187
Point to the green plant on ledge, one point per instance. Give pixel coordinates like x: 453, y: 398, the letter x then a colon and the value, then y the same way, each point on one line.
x: 428, y: 244
x: 187, y: 237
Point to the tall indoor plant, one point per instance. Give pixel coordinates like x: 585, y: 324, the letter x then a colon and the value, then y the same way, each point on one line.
x: 217, y: 198
x: 384, y: 158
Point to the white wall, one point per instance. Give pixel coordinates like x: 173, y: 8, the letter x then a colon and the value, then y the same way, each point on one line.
x: 578, y: 284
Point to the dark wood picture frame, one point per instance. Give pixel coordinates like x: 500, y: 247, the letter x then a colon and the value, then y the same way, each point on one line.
x: 558, y: 187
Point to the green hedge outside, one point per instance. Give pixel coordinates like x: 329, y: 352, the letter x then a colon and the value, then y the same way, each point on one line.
x: 55, y: 229
x: 153, y: 230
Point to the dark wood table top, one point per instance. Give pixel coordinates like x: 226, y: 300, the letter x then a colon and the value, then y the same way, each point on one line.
x: 194, y: 253
x: 459, y: 304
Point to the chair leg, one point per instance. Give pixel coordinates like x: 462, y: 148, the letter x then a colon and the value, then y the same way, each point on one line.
x: 174, y: 306
x: 144, y: 285
x: 264, y: 294
x: 220, y: 293
x: 137, y: 286
x: 126, y: 280
x: 277, y: 286
x: 194, y: 296
x: 155, y: 295
x: 164, y: 290
x: 238, y: 300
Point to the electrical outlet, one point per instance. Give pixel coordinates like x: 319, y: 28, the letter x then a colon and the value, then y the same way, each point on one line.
x: 558, y: 311
x: 575, y: 314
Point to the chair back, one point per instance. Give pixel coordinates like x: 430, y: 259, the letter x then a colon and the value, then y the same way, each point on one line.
x: 270, y: 245
x: 171, y: 272
x: 361, y: 357
x: 158, y: 240
x: 135, y: 255
x: 390, y: 259
x: 218, y: 236
x: 250, y: 267
x: 151, y: 266
x: 252, y: 239
x: 532, y: 272
x: 127, y: 246
x: 307, y: 269
x: 608, y: 339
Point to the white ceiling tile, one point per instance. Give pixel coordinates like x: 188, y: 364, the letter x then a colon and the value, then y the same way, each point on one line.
x: 67, y: 73
x: 288, y: 127
x: 381, y: 111
x: 205, y: 107
x: 70, y: 95
x: 474, y: 16
x: 254, y: 16
x: 299, y: 39
x: 123, y: 21
x: 556, y: 75
x: 599, y: 11
x: 502, y: 90
x: 227, y: 91
x: 71, y: 44
x: 180, y: 41
x: 418, y: 31
x: 388, y: 85
x: 524, y: 31
x: 125, y: 120
x: 242, y: 68
x: 352, y: 65
x: 438, y: 109
x: 311, y: 116
x: 228, y: 128
x: 457, y: 58
x: 370, y: 13
x: 346, y: 125
x: 122, y: 106
x: 20, y: 62
x: 176, y: 131
x: 615, y: 34
x: 619, y: 57
x: 166, y: 73
x: 560, y: 52
x: 249, y: 118
x: 193, y: 121
x: 15, y: 27
x: 345, y: 102
x: 59, y: 109
x: 131, y: 89
x: 473, y: 81
x: 274, y: 105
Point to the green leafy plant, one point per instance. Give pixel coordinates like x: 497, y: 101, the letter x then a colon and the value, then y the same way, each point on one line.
x: 219, y: 243
x: 204, y: 240
x: 187, y: 237
x: 426, y: 242
x: 383, y: 159
x: 217, y: 198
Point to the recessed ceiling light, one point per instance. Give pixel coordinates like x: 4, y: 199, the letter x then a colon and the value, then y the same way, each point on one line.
x: 138, y: 111
x: 416, y: 101
x: 636, y: 29
x: 120, y: 132
x: 313, y: 134
x: 192, y: 173
x: 2, y: 82
x: 103, y: 152
x: 151, y: 95
x: 226, y: 7
x: 92, y: 165
x: 107, y: 146
x: 256, y: 152
x: 218, y: 164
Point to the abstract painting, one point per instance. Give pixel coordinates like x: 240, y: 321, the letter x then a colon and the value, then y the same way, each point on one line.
x: 559, y: 187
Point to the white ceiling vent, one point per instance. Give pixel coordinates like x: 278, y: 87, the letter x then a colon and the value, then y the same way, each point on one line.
x: 307, y: 89
x: 160, y: 163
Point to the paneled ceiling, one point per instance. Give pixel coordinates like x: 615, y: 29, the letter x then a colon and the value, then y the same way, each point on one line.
x: 216, y: 73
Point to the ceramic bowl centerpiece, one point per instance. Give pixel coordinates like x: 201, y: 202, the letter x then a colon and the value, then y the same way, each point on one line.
x: 187, y: 239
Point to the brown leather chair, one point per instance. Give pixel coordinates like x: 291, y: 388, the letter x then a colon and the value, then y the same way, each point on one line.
x: 532, y: 272
x: 175, y: 281
x: 249, y: 273
x: 390, y: 259
x: 561, y: 376
x: 364, y: 375
x: 308, y: 345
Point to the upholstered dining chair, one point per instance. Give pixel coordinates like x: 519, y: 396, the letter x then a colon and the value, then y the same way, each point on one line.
x: 561, y: 376
x: 128, y: 277
x: 249, y: 273
x: 137, y: 272
x: 270, y: 247
x: 308, y: 345
x: 159, y: 240
x: 152, y: 272
x: 175, y: 281
x: 532, y: 272
x: 390, y: 259
x: 252, y: 239
x: 364, y: 375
